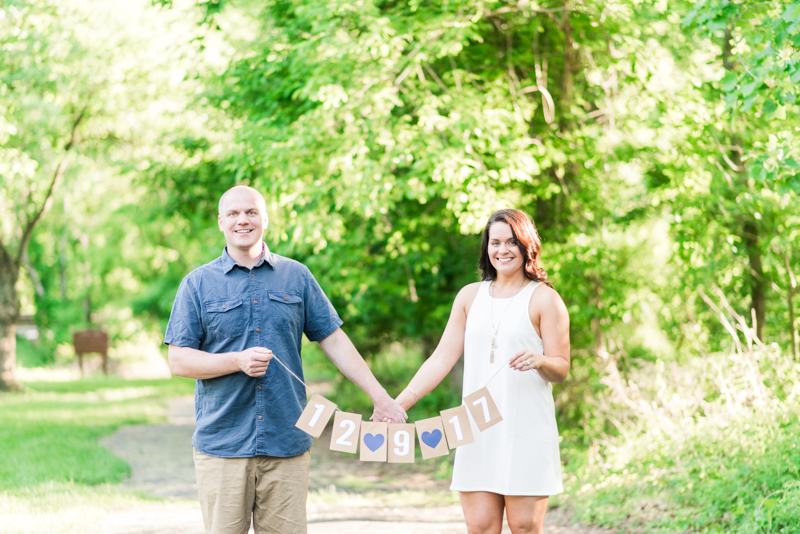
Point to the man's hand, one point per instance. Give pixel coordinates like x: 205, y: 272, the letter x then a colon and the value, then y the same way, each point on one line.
x: 254, y: 361
x: 388, y: 410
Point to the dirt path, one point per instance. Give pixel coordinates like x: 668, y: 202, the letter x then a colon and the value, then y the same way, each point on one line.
x: 346, y: 495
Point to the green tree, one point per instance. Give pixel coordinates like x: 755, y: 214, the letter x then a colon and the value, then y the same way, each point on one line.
x: 86, y: 88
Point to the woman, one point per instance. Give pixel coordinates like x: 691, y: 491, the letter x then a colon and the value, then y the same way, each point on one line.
x: 513, y: 318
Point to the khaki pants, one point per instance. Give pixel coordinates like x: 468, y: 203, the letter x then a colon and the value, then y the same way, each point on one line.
x: 273, y: 490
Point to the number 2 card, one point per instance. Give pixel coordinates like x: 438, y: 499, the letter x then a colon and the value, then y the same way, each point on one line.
x: 316, y: 415
x: 346, y: 429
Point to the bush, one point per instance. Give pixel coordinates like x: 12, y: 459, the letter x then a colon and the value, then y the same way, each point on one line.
x: 712, y: 445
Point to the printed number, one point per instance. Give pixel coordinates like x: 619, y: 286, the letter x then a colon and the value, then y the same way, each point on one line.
x: 454, y: 422
x: 351, y: 426
x: 401, y: 441
x: 320, y: 408
x: 482, y: 401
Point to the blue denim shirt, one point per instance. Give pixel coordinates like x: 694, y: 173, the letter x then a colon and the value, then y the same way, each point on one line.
x: 224, y: 307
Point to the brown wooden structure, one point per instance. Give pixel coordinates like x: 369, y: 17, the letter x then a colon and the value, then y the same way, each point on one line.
x: 90, y: 341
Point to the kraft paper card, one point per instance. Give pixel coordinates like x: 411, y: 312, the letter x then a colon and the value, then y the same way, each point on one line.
x: 346, y: 429
x: 483, y: 409
x: 373, y: 441
x: 401, y: 444
x: 457, y: 427
x: 431, y: 438
x: 316, y: 415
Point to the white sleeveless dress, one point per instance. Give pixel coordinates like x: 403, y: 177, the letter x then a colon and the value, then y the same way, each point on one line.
x: 519, y: 455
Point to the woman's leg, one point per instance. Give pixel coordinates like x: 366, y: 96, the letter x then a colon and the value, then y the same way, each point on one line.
x: 483, y: 512
x: 526, y: 514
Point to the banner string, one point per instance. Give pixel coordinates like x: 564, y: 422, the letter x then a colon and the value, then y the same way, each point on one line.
x: 292, y: 373
x: 504, y: 366
x: 274, y: 357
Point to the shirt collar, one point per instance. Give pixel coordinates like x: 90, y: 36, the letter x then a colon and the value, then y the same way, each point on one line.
x: 229, y: 263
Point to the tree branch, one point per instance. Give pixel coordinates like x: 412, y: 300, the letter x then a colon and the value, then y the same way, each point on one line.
x: 48, y: 198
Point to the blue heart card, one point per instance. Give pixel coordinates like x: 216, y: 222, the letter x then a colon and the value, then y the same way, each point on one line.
x: 373, y: 441
x: 431, y: 438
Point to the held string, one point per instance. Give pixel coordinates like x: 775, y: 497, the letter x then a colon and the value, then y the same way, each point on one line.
x: 292, y: 373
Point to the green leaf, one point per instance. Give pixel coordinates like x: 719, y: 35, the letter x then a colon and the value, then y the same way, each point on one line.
x: 729, y: 81
x: 687, y: 20
x: 748, y: 103
x: 748, y: 88
x: 788, y: 13
x: 769, y: 107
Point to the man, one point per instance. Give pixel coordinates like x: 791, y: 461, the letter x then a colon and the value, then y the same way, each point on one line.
x: 230, y: 318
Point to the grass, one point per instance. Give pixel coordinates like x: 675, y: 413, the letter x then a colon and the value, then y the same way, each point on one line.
x: 50, y: 432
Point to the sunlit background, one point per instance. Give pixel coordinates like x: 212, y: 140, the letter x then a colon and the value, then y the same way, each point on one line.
x: 653, y: 144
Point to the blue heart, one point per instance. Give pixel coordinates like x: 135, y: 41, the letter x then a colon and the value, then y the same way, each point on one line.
x: 373, y: 443
x: 432, y: 439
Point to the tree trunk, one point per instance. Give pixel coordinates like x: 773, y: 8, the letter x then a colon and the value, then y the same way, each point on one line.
x: 758, y: 290
x: 749, y: 229
x: 9, y: 313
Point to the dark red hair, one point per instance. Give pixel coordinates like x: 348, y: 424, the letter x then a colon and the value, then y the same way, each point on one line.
x: 527, y: 238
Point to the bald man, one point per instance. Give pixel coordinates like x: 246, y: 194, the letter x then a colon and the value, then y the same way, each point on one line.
x: 230, y: 318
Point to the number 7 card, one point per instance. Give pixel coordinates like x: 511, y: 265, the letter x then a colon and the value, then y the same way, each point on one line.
x: 483, y: 409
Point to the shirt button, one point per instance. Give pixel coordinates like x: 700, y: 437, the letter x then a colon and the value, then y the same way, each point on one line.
x: 259, y: 388
x: 287, y: 298
x: 223, y: 307
x: 258, y: 330
x: 259, y: 417
x: 255, y: 302
x: 251, y: 274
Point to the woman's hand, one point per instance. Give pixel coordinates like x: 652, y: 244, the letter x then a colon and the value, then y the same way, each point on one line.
x: 525, y: 360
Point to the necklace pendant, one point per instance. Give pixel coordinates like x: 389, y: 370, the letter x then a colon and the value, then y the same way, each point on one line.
x: 491, y: 356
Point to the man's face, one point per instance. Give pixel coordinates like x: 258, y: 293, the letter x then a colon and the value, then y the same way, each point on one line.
x: 242, y: 218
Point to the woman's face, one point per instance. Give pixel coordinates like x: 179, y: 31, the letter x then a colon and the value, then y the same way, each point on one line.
x: 504, y: 252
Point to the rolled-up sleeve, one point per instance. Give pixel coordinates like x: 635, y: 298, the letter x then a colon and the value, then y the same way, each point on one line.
x: 185, y: 328
x: 321, y: 319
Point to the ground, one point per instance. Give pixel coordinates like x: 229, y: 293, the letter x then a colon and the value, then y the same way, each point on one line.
x: 345, y: 495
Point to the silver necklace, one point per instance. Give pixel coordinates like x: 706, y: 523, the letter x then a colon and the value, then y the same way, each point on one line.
x: 491, y: 312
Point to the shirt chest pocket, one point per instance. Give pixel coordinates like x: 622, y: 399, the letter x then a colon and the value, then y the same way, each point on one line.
x: 226, y: 318
x: 286, y: 311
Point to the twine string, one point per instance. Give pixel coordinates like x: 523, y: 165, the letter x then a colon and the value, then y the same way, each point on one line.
x: 274, y: 357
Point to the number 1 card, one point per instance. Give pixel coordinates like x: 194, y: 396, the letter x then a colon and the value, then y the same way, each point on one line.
x: 316, y: 415
x: 457, y: 427
x: 483, y: 409
x: 346, y: 429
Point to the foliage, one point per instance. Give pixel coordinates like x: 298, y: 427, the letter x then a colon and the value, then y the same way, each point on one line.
x: 705, y: 446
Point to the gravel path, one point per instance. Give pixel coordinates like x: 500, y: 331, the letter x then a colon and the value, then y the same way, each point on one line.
x: 161, y: 462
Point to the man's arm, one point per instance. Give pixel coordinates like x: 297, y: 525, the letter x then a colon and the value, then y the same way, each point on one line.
x: 344, y: 355
x: 198, y: 364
